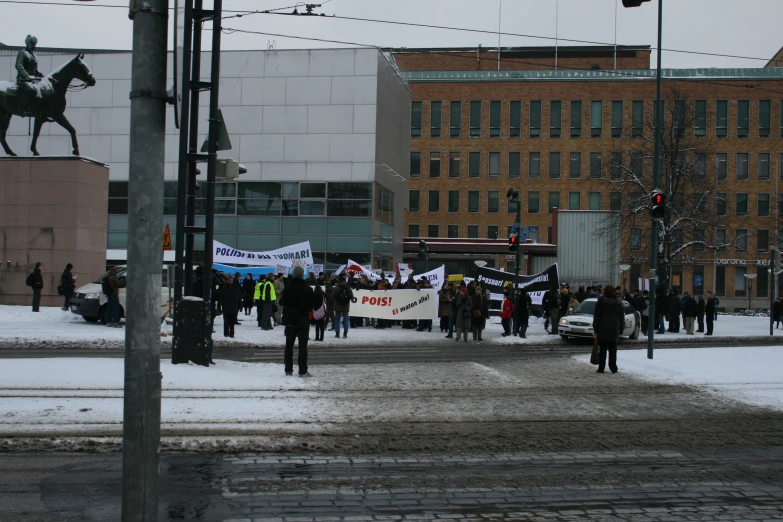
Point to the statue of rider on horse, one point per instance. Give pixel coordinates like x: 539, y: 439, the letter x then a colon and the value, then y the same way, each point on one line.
x: 27, y: 75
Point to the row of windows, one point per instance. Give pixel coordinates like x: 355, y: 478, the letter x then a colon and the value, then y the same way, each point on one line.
x: 699, y: 118
x: 700, y: 203
x: 700, y: 239
x: 453, y: 231
x: 633, y: 164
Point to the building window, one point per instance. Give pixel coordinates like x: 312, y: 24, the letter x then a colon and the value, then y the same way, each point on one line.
x: 454, y: 164
x: 576, y: 119
x: 435, y: 119
x: 493, y: 201
x: 512, y: 205
x: 679, y: 118
x: 698, y: 280
x: 434, y: 164
x: 515, y: 119
x: 762, y: 240
x: 637, y: 165
x: 534, y: 165
x: 700, y: 166
x: 118, y: 198
x: 596, y: 118
x: 721, y: 118
x: 721, y: 166
x: 701, y: 118
x: 432, y: 231
x: 453, y: 200
x: 762, y: 282
x: 475, y: 119
x: 415, y: 164
x: 533, y: 202
x: 494, y: 119
x: 636, y: 239
x: 595, y: 201
x: 699, y: 203
x: 554, y: 200
x: 742, y: 204
x: 762, y: 205
x: 413, y: 230
x: 742, y: 165
x: 413, y: 200
x: 741, y: 240
x: 743, y: 118
x: 763, y: 168
x: 554, y: 165
x: 721, y: 241
x: 720, y: 280
x: 555, y: 119
x: 574, y: 201
x: 434, y: 200
x: 764, y: 118
x: 492, y: 231
x: 595, y: 165
x: 473, y: 201
x: 615, y: 201
x: 637, y: 118
x: 662, y: 107
x: 575, y: 165
x: 549, y: 235
x: 416, y: 119
x: 474, y: 165
x: 616, y: 165
x: 494, y: 164
x: 535, y: 119
x: 452, y: 231
x: 514, y: 165
x: 721, y: 204
x: 699, y: 240
x: 473, y: 231
x: 617, y: 119
x: 740, y: 282
x: 455, y: 120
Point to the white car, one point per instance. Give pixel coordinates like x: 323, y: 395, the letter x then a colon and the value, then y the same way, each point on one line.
x: 579, y: 323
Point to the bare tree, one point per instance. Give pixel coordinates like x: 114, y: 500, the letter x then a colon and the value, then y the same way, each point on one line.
x: 696, y: 223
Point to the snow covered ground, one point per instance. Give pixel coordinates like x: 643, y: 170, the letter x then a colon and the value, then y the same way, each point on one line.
x: 18, y: 325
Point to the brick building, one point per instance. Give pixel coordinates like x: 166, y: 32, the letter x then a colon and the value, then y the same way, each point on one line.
x: 483, y: 123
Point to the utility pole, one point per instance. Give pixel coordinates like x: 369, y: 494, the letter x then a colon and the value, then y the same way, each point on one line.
x: 141, y: 416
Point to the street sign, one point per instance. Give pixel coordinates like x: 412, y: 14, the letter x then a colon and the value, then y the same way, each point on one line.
x: 167, y: 238
x: 179, y: 50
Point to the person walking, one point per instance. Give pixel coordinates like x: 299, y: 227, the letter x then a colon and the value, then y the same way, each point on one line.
x: 230, y: 297
x: 35, y: 281
x: 477, y: 302
x: 463, y: 303
x: 709, y: 310
x: 319, y: 311
x: 506, y: 314
x: 297, y: 302
x: 675, y: 307
x: 524, y: 302
x: 608, y: 321
x: 700, y: 313
x: 552, y: 305
x: 690, y: 309
x: 67, y: 284
x: 777, y: 312
x: 113, y: 306
x: 248, y: 290
x: 444, y: 307
x: 343, y: 296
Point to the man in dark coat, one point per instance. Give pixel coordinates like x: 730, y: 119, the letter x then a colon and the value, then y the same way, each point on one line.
x: 661, y: 309
x: 35, y: 280
x: 690, y: 309
x: 297, y: 303
x: 552, y: 306
x: 709, y: 310
x: 700, y: 313
x: 68, y: 283
x: 581, y: 295
x: 675, y: 307
x: 522, y: 309
x: 230, y: 299
x: 608, y: 321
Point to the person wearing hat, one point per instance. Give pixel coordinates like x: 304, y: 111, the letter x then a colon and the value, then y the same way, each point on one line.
x: 297, y: 302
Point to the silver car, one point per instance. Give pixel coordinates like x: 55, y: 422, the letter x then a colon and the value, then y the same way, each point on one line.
x: 579, y: 323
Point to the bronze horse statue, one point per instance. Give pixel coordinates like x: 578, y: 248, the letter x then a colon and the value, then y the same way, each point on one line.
x: 49, y: 102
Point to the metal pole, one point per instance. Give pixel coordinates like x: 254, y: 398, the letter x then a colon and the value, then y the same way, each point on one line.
x: 141, y: 418
x: 656, y: 176
x: 772, y: 290
x: 515, y: 293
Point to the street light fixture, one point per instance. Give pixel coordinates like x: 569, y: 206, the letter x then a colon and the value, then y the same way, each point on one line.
x: 750, y: 278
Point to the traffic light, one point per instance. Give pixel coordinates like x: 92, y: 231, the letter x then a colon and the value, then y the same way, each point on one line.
x: 513, y: 243
x: 633, y: 3
x: 658, y: 205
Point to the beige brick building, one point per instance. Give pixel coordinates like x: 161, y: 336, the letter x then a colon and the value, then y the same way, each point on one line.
x: 481, y: 126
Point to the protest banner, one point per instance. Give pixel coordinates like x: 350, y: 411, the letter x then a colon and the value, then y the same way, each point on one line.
x: 535, y: 285
x: 396, y: 305
x: 283, y: 256
x: 281, y: 269
x: 355, y: 269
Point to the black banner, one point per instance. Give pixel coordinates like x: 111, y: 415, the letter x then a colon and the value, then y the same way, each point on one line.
x: 496, y: 281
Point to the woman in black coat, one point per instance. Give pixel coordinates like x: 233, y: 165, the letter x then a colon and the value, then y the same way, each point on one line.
x: 248, y: 291
x: 608, y: 322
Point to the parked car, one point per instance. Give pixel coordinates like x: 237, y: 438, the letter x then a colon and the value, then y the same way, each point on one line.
x: 579, y: 323
x: 90, y: 302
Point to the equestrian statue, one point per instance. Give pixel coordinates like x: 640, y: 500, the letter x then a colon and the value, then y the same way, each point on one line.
x: 41, y: 97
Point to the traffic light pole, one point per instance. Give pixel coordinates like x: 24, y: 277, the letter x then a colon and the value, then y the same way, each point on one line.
x: 515, y: 293
x: 656, y: 175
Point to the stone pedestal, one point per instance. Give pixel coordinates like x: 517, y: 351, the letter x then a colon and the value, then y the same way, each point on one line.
x: 53, y: 210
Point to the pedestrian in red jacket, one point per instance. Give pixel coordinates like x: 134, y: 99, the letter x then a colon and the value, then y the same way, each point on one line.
x: 506, y: 314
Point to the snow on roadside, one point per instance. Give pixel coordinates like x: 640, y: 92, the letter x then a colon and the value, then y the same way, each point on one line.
x: 751, y: 375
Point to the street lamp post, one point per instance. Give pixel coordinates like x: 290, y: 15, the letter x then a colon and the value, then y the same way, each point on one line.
x: 750, y: 278
x: 513, y: 195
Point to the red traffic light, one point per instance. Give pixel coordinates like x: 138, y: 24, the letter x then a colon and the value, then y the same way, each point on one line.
x: 657, y: 199
x: 512, y: 242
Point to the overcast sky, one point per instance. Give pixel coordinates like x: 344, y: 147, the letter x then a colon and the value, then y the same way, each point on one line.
x: 745, y: 28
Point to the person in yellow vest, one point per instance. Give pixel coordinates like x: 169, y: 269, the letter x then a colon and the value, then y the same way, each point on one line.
x: 265, y: 295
